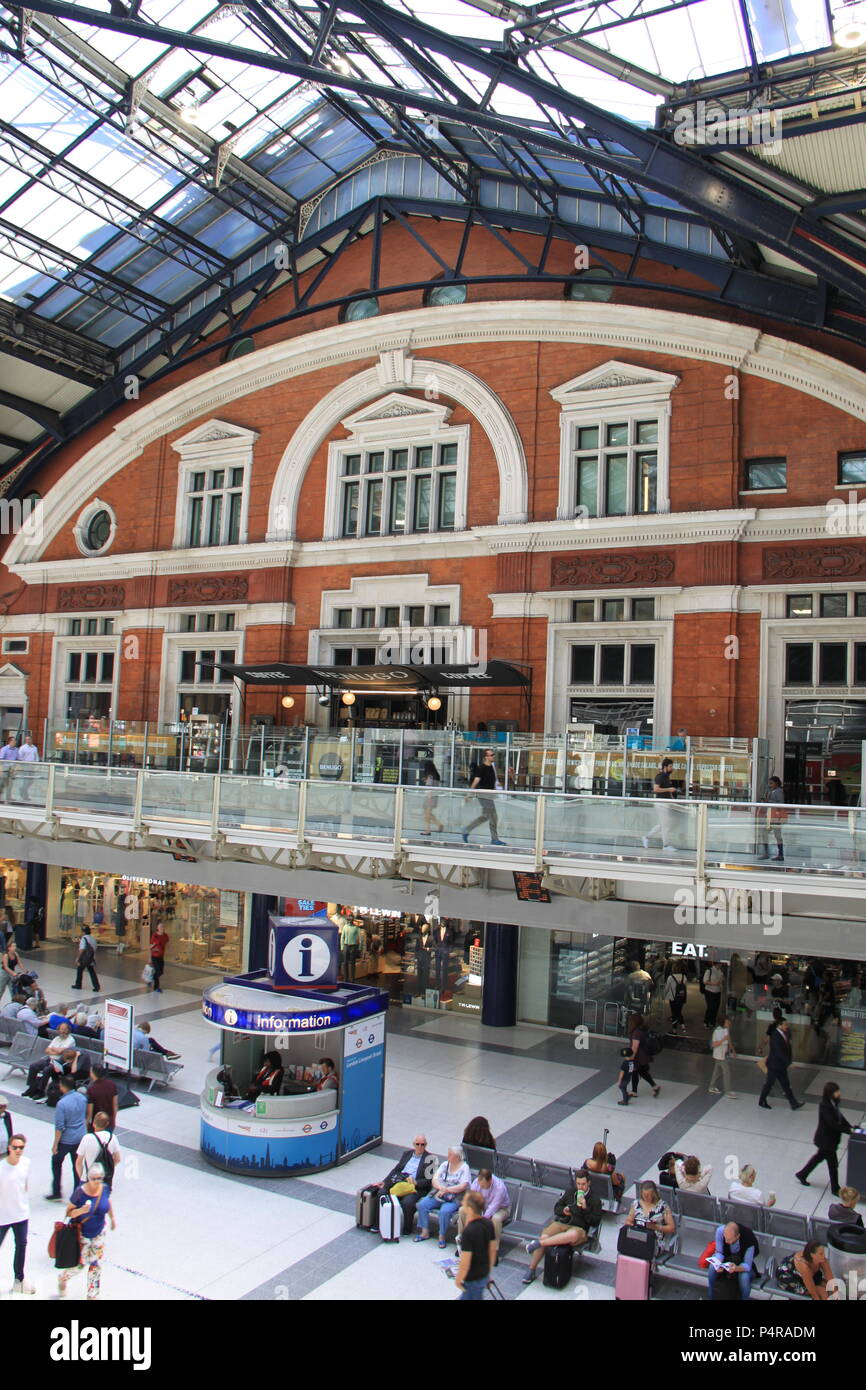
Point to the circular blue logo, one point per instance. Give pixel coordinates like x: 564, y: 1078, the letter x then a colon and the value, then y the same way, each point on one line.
x: 306, y: 958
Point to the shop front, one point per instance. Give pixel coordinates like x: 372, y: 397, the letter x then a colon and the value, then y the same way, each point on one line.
x: 207, y: 927
x: 428, y: 965
x: 570, y: 979
x: 13, y: 886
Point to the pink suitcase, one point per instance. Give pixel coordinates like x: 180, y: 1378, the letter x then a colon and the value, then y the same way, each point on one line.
x: 632, y: 1278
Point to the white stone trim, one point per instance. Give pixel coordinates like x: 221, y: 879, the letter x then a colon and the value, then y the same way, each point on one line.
x: 625, y: 328
x: 85, y: 517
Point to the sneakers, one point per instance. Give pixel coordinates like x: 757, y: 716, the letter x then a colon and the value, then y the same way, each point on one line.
x: 22, y: 1286
x: 731, y: 1095
x: 530, y: 1246
x: 670, y: 849
x: 764, y: 1106
x: 714, y: 1091
x: 497, y: 842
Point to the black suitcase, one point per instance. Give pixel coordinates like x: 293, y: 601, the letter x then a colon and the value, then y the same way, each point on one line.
x: 558, y: 1262
x: 367, y: 1208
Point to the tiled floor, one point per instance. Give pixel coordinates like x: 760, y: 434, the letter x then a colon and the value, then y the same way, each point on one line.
x: 186, y: 1230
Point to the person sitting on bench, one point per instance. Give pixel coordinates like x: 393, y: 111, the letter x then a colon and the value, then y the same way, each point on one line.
x: 576, y: 1213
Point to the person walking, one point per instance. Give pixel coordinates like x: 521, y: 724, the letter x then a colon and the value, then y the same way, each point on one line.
x: 99, y: 1149
x: 86, y: 959
x: 638, y: 1037
x: 8, y: 757
x: 90, y: 1205
x: 775, y: 819
x: 28, y: 752
x: 477, y: 1249
x: 664, y: 792
x: 483, y: 777
x: 722, y: 1048
x: 15, y: 1207
x: 431, y: 780
x: 675, y: 994
x: 712, y: 984
x: 6, y: 1127
x: 831, y: 1126
x: 10, y: 968
x: 158, y: 944
x: 779, y: 1057
x: 70, y: 1127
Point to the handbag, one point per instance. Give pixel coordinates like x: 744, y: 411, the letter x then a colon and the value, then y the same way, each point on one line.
x: 67, y: 1244
x: 402, y: 1188
x: 704, y: 1259
x: 148, y: 974
x: 761, y: 1063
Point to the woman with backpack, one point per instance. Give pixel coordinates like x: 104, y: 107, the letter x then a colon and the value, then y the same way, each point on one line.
x: 676, y: 994
x: 85, y: 961
x: 638, y: 1036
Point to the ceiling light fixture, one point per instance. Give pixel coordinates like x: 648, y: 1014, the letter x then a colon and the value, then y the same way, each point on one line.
x: 849, y: 25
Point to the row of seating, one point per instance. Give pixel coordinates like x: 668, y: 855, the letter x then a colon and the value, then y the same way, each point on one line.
x: 25, y: 1049
x: 772, y: 1221
x: 532, y: 1172
x: 694, y: 1235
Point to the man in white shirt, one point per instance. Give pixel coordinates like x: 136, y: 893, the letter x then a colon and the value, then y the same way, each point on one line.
x: 28, y: 752
x: 15, y: 1206
x: 8, y: 756
x: 745, y: 1190
x: 95, y: 1148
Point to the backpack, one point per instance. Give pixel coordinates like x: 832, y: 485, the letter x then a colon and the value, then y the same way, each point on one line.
x: 680, y: 991
x: 105, y: 1160
x: 654, y: 1043
x: 87, y: 955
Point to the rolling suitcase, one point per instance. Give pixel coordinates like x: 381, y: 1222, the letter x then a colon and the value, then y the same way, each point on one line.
x: 558, y: 1262
x: 367, y: 1208
x: 635, y: 1251
x: 390, y: 1218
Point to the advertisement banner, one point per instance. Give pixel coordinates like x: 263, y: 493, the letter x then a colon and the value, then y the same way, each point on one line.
x: 117, y: 1034
x: 362, y: 1083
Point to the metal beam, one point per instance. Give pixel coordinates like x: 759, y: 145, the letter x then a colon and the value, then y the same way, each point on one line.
x: 48, y: 419
x: 838, y: 202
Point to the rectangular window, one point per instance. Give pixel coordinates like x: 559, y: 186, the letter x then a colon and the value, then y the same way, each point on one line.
x: 208, y: 622
x: 612, y: 610
x: 643, y: 664
x: 214, y: 506
x: 366, y: 617
x: 860, y: 663
x: 390, y: 617
x: 106, y: 673
x: 587, y: 486
x: 14, y: 646
x: 833, y: 663
x: 616, y: 493
x: 399, y: 490
x: 206, y: 674
x: 834, y: 605
x: 352, y: 464
x: 643, y: 610
x: 583, y: 665
x: 343, y: 656
x: 375, y: 463
x: 399, y: 460
x: 798, y: 663
x: 612, y: 667
x: 447, y: 499
x: 860, y: 605
x: 234, y: 519
x: 74, y: 673
x: 187, y: 667
x: 616, y: 468
x: 397, y: 511
x: 75, y: 627
x: 193, y: 537
x: 441, y: 615
x: 852, y: 469
x: 763, y: 473
x: 226, y: 659
x: 91, y: 666
x: 421, y: 519
x: 227, y: 622
x: 90, y: 627
x: 187, y: 622
x: 365, y: 656
x: 106, y: 627
x: 215, y: 518
x: 646, y: 482
x: 583, y: 610
x: 350, y: 509
x: 798, y: 606
x: 415, y: 615
x: 373, y: 525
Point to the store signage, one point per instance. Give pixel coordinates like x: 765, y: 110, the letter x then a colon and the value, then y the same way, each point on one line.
x: 117, y: 1034
x: 329, y: 766
x: 688, y: 948
x: 303, y: 956
x: 314, y: 1020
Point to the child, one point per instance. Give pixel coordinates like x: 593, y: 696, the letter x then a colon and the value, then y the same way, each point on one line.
x: 626, y: 1068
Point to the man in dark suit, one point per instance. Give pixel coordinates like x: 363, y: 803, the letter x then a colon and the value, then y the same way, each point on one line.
x: 778, y: 1061
x: 418, y: 1166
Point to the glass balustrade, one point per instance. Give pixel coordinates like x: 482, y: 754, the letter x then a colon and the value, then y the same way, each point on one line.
x: 185, y: 797
x: 23, y: 784
x: 102, y: 791
x: 346, y: 811
x: 251, y: 803
x: 801, y: 839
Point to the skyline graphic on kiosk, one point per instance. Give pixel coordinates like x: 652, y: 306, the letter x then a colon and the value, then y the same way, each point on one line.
x: 303, y: 953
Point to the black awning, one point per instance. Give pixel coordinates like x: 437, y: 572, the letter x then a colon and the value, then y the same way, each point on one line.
x: 380, y: 679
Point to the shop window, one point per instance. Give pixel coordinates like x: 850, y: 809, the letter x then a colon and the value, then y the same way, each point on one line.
x: 852, y: 469
x: 834, y: 605
x: 798, y: 606
x: 833, y: 663
x: 583, y: 610
x: 765, y: 474
x: 643, y: 609
x: 798, y: 663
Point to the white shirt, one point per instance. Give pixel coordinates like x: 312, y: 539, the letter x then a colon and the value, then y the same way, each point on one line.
x: 461, y: 1176
x: 699, y: 1184
x: 29, y: 1019
x: 90, y: 1148
x: 720, y: 1042
x: 752, y: 1196
x: 712, y: 980
x: 59, y: 1044
x: 14, y: 1202
x: 28, y: 753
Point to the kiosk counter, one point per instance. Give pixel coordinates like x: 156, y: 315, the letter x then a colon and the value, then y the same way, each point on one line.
x: 309, y: 1118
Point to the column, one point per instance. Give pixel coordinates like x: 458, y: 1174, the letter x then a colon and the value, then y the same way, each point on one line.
x: 499, y: 1000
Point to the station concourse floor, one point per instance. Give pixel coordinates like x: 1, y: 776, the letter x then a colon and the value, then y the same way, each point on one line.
x: 189, y: 1231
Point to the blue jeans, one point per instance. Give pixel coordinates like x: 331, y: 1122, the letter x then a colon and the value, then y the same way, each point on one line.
x: 473, y: 1290
x: 447, y: 1208
x: 744, y: 1280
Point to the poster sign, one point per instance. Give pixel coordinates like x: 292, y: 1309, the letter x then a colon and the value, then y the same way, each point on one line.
x: 362, y: 1084
x: 117, y: 1034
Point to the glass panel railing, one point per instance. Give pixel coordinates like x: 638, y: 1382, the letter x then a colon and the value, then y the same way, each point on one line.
x: 177, y: 796
x: 23, y: 784
x: 628, y: 828
x: 351, y: 811
x: 805, y: 839
x: 498, y: 819
x: 250, y: 803
x: 109, y: 791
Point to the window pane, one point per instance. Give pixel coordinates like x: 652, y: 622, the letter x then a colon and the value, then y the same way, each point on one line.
x: 350, y: 509
x: 106, y: 626
x: 375, y: 463
x: 90, y: 667
x: 236, y: 477
x: 415, y: 615
x: 227, y: 622
x: 187, y: 666
x: 766, y: 472
x: 194, y: 533
x: 421, y: 521
x: 612, y: 610
x: 365, y: 656
x: 587, y: 438
x: 798, y: 663
x: 646, y: 478
x: 860, y: 605
x: 196, y: 482
x: 227, y: 658
x: 643, y: 609
x: 397, y: 520
x: 343, y: 656
x: 75, y: 626
x: 343, y: 617
x: 90, y: 626
x: 852, y: 468
x: 366, y: 617
x: 390, y: 617
x: 215, y: 520
x: 583, y: 665
x: 234, y: 526
x: 612, y: 666
x: 834, y: 605
x: 798, y: 606
x: 860, y: 663
x: 107, y: 671
x: 447, y: 500
x: 616, y: 434
x: 424, y: 456
x: 448, y: 455
x: 188, y: 623
x: 441, y: 615
x: 205, y: 673
x: 587, y: 485
x: 218, y: 478
x: 374, y: 507
x: 208, y: 622
x: 643, y: 665
x: 399, y: 459
x: 582, y: 611
x: 352, y: 463
x: 616, y: 500
x: 74, y: 666
x: 833, y: 665
x: 647, y: 432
